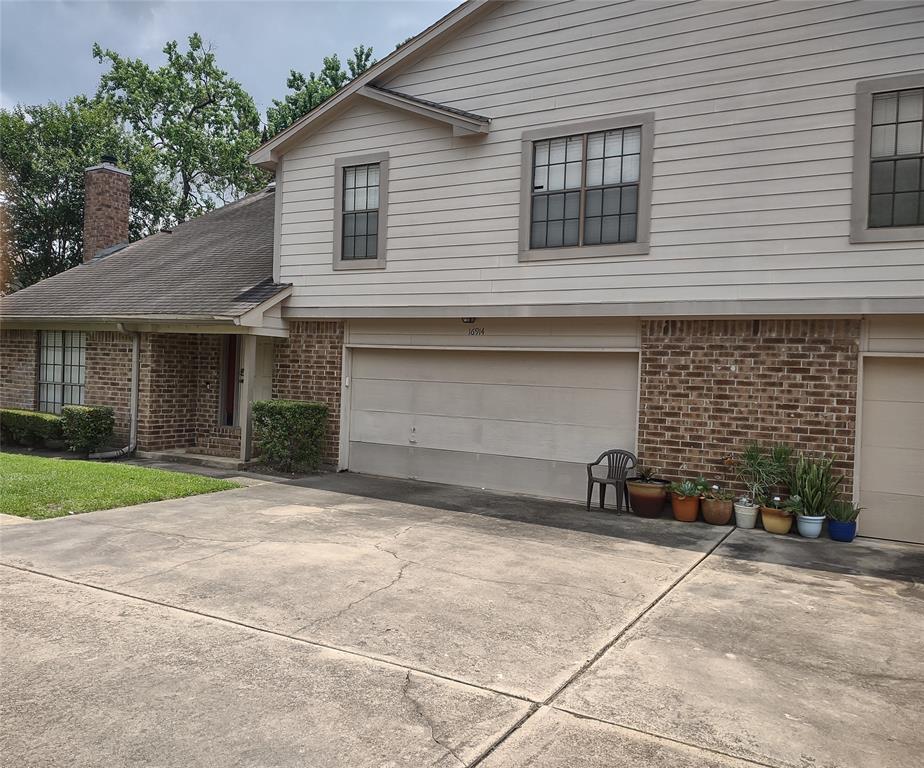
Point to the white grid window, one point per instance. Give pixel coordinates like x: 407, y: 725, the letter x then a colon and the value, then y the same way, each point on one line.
x: 62, y: 369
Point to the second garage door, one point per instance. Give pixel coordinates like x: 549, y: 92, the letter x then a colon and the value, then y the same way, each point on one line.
x: 892, y: 449
x: 512, y: 421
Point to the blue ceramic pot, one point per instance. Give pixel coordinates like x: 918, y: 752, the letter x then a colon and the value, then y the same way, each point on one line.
x: 842, y: 531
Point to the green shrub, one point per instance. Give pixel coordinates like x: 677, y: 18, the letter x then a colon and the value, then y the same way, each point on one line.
x: 29, y: 427
x: 290, y: 433
x: 87, y: 428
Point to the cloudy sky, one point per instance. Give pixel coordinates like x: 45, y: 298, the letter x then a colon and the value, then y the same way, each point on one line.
x: 45, y: 44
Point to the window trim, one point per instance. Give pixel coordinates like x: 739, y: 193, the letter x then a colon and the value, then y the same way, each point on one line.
x: 642, y: 242
x: 860, y: 231
x: 340, y: 163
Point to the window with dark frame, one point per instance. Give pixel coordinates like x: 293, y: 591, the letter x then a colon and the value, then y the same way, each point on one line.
x: 585, y: 189
x: 62, y: 369
x: 896, y: 193
x: 360, y: 212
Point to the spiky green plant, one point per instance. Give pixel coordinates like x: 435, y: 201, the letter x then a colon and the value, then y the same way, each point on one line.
x: 757, y: 470
x: 844, y: 511
x: 815, y: 482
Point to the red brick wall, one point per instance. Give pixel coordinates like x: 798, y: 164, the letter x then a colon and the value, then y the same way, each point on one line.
x: 307, y: 366
x: 709, y: 387
x: 180, y: 391
x: 109, y: 376
x: 106, y: 210
x: 18, y: 360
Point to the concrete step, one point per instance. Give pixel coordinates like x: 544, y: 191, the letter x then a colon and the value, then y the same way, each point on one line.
x: 181, y: 456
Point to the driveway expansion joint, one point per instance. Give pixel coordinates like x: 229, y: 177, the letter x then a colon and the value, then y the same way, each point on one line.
x: 275, y: 633
x: 662, y: 737
x: 547, y: 703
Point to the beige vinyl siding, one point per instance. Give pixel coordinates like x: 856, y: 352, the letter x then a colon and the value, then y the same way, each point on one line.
x: 605, y: 333
x: 896, y: 335
x: 752, y: 163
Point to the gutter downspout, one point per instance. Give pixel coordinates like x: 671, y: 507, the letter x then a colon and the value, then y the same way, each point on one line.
x: 133, y: 403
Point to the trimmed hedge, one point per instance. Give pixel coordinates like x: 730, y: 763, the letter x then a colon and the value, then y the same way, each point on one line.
x: 290, y: 433
x: 32, y: 428
x: 87, y: 428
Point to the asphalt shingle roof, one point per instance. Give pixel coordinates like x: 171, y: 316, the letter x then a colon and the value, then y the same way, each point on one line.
x: 218, y: 264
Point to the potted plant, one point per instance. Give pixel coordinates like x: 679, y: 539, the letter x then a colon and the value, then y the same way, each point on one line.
x: 756, y: 469
x: 685, y: 500
x: 842, y: 520
x: 815, y: 483
x: 776, y: 516
x: 717, y: 506
x: 647, y: 493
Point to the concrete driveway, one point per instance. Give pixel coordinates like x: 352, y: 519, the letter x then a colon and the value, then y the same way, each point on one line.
x: 351, y: 621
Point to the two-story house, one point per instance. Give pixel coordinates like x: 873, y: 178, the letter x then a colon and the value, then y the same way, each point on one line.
x: 539, y: 230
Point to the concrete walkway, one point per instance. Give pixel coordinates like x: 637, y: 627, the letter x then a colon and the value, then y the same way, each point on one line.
x: 351, y: 621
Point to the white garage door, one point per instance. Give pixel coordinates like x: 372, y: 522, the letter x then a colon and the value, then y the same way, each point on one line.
x: 892, y: 449
x: 512, y: 421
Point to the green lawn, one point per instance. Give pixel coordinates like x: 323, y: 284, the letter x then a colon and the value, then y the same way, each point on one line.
x: 31, y: 486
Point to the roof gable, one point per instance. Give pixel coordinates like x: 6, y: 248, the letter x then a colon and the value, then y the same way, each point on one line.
x: 451, y: 24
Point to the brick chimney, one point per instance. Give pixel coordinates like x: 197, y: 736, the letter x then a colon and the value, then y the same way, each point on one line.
x: 105, y: 207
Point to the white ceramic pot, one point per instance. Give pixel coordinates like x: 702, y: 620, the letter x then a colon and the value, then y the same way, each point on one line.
x: 746, y: 515
x: 809, y: 525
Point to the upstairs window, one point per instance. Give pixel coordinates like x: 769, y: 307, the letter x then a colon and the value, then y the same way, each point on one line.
x: 360, y: 211
x: 62, y: 369
x: 361, y: 203
x: 587, y: 192
x: 896, y: 151
x: 888, y: 162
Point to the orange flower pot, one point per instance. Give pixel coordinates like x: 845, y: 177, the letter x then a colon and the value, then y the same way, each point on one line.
x: 686, y: 508
x: 776, y: 520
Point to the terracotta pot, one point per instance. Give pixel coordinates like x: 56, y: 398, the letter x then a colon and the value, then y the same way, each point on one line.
x: 647, y: 498
x: 686, y: 508
x: 776, y: 520
x: 717, y: 512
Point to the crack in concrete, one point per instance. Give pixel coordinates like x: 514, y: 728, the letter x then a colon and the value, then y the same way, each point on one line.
x: 325, y: 619
x: 185, y: 562
x: 485, y: 579
x: 419, y: 711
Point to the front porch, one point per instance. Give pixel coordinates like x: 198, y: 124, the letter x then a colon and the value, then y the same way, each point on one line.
x: 196, y: 391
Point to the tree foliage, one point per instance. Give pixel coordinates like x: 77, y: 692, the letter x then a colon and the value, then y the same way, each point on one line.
x: 200, y: 122
x: 44, y: 151
x: 313, y: 90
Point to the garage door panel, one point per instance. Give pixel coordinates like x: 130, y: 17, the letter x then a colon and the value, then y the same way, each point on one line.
x: 893, y: 424
x: 552, y: 479
x: 891, y: 516
x: 502, y: 438
x: 532, y: 369
x: 516, y: 421
x: 552, y: 405
x: 897, y: 470
x: 893, y: 380
x: 892, y: 449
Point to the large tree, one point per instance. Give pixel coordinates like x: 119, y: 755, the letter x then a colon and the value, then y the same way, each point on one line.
x: 200, y: 122
x: 313, y: 90
x: 44, y: 150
